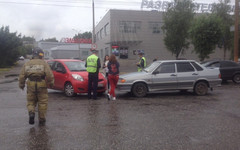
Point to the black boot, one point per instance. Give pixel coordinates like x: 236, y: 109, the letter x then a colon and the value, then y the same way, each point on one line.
x: 31, y: 117
x: 42, y: 122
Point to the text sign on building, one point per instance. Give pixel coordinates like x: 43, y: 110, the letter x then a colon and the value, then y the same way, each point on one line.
x: 77, y: 40
x: 115, y: 50
x: 162, y: 5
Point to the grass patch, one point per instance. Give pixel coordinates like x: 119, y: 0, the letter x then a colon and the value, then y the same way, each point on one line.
x: 2, y: 70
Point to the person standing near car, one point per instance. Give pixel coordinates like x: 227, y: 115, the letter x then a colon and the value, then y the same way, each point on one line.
x: 39, y: 76
x: 105, y: 67
x: 93, y: 65
x: 142, y: 61
x: 113, y: 76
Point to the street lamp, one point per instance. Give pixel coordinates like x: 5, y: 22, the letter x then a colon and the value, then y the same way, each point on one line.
x: 78, y: 32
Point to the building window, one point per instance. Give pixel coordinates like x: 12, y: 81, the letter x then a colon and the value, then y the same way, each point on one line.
x: 155, y: 27
x: 85, y: 53
x: 129, y: 26
x: 101, y: 33
x: 106, y: 29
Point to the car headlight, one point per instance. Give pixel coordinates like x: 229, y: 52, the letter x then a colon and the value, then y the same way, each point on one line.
x: 121, y: 80
x: 77, y: 77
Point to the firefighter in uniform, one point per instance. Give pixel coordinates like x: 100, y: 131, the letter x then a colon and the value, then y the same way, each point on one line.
x: 93, y: 65
x: 142, y: 61
x: 39, y: 76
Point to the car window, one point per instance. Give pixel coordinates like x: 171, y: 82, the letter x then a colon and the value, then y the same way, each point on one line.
x: 228, y: 64
x: 184, y: 67
x: 58, y: 65
x: 196, y: 66
x: 152, y: 67
x: 50, y: 63
x: 75, y: 65
x: 166, y: 68
x: 216, y: 64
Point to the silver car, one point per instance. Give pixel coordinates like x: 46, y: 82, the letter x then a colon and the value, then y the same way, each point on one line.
x: 180, y: 75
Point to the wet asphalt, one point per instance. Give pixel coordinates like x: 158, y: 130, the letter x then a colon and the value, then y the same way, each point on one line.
x: 169, y: 121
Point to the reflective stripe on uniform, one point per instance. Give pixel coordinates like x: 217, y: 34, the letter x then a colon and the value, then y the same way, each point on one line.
x: 92, y: 63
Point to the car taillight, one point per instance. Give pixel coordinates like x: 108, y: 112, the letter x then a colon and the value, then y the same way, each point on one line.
x: 219, y: 76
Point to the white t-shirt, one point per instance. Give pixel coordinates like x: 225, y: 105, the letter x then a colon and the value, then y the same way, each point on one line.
x: 106, y: 68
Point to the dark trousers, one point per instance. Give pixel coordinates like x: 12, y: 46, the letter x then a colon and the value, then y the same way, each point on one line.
x: 92, y: 85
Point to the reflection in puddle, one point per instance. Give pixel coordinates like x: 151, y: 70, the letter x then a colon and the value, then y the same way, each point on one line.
x: 38, y: 139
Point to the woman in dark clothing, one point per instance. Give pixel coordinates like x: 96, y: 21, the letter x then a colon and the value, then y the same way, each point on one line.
x: 113, y: 76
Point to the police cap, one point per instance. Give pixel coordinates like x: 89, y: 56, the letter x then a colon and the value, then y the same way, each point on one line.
x: 93, y: 50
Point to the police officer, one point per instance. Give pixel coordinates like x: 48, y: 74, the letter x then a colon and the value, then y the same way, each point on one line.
x: 39, y: 76
x: 142, y: 61
x: 93, y: 65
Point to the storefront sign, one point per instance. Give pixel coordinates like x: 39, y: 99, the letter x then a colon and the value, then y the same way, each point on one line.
x: 115, y: 50
x: 162, y: 5
x: 71, y: 40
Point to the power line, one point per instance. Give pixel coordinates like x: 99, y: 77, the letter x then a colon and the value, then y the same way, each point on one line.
x: 66, y: 5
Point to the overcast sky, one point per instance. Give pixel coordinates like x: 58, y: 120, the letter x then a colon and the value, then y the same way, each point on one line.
x: 57, y: 18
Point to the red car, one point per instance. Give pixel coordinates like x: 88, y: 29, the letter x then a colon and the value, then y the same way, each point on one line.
x: 71, y: 77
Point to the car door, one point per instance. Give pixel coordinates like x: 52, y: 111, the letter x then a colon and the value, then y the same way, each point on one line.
x: 164, y: 77
x: 186, y: 75
x: 228, y: 69
x: 59, y: 73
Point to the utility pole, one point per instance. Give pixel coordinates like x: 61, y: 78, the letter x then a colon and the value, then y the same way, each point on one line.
x: 93, y: 30
x: 236, y: 39
x: 78, y: 41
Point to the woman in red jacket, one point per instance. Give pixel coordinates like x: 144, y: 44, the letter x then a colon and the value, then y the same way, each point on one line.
x: 113, y: 76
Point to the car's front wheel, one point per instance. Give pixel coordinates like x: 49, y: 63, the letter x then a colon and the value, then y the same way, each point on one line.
x: 139, y: 90
x: 68, y: 90
x: 236, y: 78
x: 201, y: 88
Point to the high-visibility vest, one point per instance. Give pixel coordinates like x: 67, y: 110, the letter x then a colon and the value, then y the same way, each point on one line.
x: 92, y: 64
x: 145, y: 64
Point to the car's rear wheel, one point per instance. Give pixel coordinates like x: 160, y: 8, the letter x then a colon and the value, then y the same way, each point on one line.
x: 68, y: 90
x: 139, y: 90
x: 201, y: 88
x: 236, y: 78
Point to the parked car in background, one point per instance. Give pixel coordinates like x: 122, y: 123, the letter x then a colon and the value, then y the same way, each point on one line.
x: 229, y: 70
x: 21, y: 58
x: 180, y: 75
x: 71, y: 77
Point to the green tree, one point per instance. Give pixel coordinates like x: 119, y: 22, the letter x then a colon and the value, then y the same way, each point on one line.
x: 223, y: 10
x: 50, y: 40
x: 10, y: 44
x: 205, y: 33
x: 177, y: 21
x: 85, y: 35
x: 28, y: 44
x: 28, y: 40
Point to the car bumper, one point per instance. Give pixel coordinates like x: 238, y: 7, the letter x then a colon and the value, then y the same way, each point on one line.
x: 124, y: 87
x: 215, y: 83
x: 82, y: 87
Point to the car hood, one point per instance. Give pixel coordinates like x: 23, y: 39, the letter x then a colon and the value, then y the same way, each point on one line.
x: 133, y: 75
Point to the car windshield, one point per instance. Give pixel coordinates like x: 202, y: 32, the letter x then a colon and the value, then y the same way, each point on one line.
x: 205, y: 63
x: 75, y: 66
x: 151, y: 67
